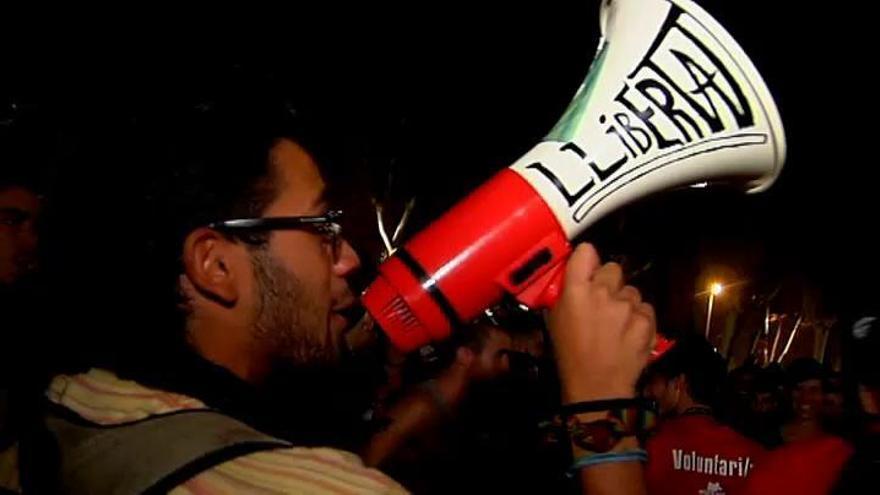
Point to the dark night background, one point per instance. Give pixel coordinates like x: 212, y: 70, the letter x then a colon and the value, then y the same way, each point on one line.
x: 445, y: 96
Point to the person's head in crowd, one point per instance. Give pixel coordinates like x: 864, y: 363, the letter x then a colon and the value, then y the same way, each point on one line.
x: 227, y: 244
x: 525, y: 346
x: 483, y: 350
x: 270, y: 293
x: 805, y: 377
x: 742, y: 381
x: 765, y: 401
x: 530, y: 342
x: 767, y: 392
x: 24, y: 163
x: 691, y: 374
x: 526, y: 330
x: 833, y: 402
x: 20, y: 206
x: 766, y: 407
x: 528, y: 350
x: 476, y: 353
x: 740, y: 392
x: 861, y: 366
x: 860, y: 373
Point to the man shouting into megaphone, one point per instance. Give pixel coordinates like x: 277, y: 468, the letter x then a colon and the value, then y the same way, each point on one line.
x: 241, y: 270
x: 245, y: 273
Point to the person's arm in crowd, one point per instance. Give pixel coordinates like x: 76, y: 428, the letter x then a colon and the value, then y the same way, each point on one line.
x: 419, y: 412
x: 602, y: 336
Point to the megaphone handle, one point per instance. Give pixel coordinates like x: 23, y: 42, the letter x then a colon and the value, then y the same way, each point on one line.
x: 544, y: 292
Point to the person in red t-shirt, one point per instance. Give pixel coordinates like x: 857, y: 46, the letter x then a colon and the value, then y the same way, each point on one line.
x: 691, y: 452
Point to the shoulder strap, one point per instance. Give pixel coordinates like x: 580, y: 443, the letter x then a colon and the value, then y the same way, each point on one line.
x: 149, y: 456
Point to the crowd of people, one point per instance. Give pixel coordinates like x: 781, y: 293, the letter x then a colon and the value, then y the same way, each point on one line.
x: 201, y: 342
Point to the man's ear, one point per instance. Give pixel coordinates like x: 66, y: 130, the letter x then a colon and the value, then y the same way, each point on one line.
x: 208, y: 261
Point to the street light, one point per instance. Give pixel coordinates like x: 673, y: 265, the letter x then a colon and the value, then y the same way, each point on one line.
x: 714, y: 290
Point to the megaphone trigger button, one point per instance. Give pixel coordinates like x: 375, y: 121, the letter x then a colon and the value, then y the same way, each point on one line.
x: 527, y: 269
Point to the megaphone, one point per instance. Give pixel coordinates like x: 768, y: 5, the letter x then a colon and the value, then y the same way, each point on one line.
x: 671, y: 100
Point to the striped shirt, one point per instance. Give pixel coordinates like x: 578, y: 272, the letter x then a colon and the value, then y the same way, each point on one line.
x: 101, y: 397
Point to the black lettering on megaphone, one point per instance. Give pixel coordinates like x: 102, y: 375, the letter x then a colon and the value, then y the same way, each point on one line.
x: 703, y: 78
x: 678, y: 96
x: 632, y: 131
x: 601, y: 173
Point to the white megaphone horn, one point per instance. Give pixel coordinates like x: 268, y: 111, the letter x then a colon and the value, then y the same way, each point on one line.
x: 671, y: 100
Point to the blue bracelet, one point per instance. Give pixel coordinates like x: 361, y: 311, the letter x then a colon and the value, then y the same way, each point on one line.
x: 594, y: 459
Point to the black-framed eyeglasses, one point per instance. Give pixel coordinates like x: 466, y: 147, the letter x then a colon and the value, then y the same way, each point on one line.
x: 326, y: 225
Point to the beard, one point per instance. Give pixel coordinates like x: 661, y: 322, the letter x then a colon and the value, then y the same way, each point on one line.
x: 290, y: 323
x: 318, y: 391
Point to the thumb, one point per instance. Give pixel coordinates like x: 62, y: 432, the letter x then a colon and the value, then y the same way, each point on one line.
x: 581, y: 265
